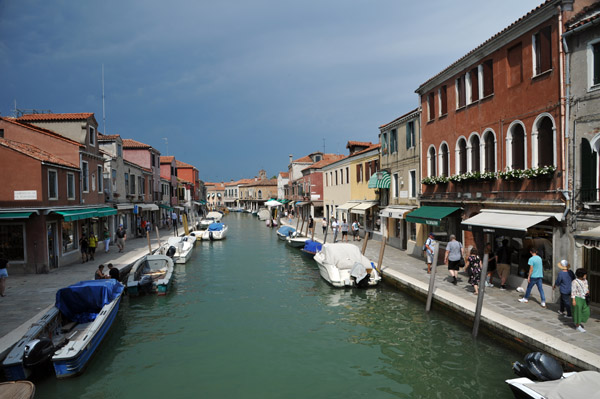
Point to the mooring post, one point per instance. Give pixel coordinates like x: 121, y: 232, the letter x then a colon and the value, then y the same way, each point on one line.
x: 149, y: 245
x: 157, y: 235
x: 364, y: 247
x: 381, y: 251
x: 434, y: 264
x: 480, y: 296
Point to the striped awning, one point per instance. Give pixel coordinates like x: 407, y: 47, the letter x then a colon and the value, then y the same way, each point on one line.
x: 380, y: 180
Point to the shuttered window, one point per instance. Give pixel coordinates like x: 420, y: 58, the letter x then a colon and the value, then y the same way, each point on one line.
x: 542, y: 50
x: 410, y: 134
x: 595, y: 64
x: 488, y: 78
x: 515, y: 65
x: 431, y: 106
x: 474, y: 84
x: 461, y: 98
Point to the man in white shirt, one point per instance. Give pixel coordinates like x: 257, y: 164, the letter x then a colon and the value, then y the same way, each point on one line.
x: 335, y: 226
x: 430, y: 244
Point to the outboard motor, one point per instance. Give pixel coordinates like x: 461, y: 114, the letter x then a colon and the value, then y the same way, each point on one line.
x: 37, y: 351
x: 210, y: 235
x: 145, y: 284
x: 171, y: 251
x: 538, y: 366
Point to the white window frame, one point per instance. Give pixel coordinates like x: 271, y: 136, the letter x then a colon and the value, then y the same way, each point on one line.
x: 509, y: 139
x: 534, y: 140
x: 440, y: 158
x: 457, y: 154
x: 439, y: 102
x: 590, y: 65
x: 55, y: 184
x: 72, y: 175
x: 482, y: 152
x: 468, y: 89
x: 470, y: 153
x: 413, y: 135
x: 92, y: 136
x: 85, y: 177
x: 431, y: 173
x: 412, y: 187
x: 100, y: 180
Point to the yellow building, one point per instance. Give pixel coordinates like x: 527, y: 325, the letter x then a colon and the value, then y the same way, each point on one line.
x: 363, y: 204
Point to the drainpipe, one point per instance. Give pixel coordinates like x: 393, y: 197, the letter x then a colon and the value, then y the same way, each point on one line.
x: 561, y: 54
x: 570, y: 188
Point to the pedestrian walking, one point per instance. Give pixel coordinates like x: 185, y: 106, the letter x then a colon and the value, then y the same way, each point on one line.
x: 92, y: 243
x: 503, y: 263
x: 83, y: 248
x: 324, y: 225
x: 106, y: 240
x: 345, y: 228
x: 429, y: 249
x: 355, y: 230
x: 564, y: 279
x: 474, y: 265
x: 3, y: 275
x: 121, y: 237
x: 492, y: 258
x: 335, y: 227
x: 534, y: 277
x: 579, y: 292
x: 311, y: 225
x: 453, y: 257
x: 174, y: 220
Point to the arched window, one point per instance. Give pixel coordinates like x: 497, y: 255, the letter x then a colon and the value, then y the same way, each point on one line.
x: 475, y: 164
x: 516, y: 145
x: 543, y: 140
x: 489, y: 151
x: 431, y: 169
x: 461, y: 156
x: 444, y: 160
x: 589, y: 167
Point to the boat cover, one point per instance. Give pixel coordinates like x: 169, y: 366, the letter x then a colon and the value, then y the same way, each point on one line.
x: 286, y: 230
x: 215, y: 227
x: 358, y: 271
x: 585, y: 384
x: 214, y: 215
x: 312, y: 246
x: 82, y: 301
x: 344, y: 256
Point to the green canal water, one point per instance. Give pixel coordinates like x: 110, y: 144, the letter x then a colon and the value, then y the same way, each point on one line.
x: 249, y: 317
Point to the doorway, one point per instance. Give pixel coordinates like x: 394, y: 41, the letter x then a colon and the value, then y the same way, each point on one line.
x: 52, y: 245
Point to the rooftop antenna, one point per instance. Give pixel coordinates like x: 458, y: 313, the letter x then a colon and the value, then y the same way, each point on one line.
x: 167, y: 143
x: 323, y: 145
x: 103, y: 111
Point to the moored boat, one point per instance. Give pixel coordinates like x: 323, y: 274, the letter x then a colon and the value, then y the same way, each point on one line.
x: 311, y: 248
x: 17, y: 390
x: 178, y: 248
x: 150, y: 274
x: 343, y: 265
x: 70, y: 332
x: 284, y: 232
x: 211, y: 217
x: 296, y: 241
x: 541, y: 376
x: 216, y: 231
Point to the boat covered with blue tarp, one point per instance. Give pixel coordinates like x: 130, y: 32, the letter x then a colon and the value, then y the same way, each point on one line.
x: 81, y: 302
x: 285, y: 231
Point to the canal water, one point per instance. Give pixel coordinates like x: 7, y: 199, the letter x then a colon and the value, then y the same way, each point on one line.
x: 249, y: 317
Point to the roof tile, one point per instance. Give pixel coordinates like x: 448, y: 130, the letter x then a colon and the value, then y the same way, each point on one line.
x: 35, y: 153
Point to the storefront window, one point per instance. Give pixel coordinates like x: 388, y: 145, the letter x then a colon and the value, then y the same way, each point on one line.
x: 442, y: 231
x: 398, y: 227
x: 12, y: 242
x: 69, y: 239
x: 412, y: 228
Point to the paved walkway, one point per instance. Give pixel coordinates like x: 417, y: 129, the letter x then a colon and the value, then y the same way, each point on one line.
x: 29, y: 296
x: 526, y: 323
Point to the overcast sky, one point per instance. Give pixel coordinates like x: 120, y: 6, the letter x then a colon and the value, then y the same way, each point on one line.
x: 236, y: 86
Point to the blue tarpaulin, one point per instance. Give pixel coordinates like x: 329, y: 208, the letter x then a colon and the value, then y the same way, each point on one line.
x: 82, y: 301
x: 215, y: 227
x: 312, y: 246
x: 286, y: 230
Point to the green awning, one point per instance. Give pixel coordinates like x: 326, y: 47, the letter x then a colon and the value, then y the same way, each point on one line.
x: 15, y: 215
x: 70, y: 215
x: 380, y: 179
x: 165, y: 207
x: 431, y: 215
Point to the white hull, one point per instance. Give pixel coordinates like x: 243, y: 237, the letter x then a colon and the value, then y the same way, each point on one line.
x: 183, y: 248
x: 296, y: 242
x: 337, y: 270
x: 153, y: 264
x: 215, y: 235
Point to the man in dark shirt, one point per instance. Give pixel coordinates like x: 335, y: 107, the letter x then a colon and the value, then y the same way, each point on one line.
x: 3, y: 274
x: 503, y: 264
x: 113, y: 272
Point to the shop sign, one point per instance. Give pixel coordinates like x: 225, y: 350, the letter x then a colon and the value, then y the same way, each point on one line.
x: 588, y: 242
x: 25, y: 195
x: 432, y: 222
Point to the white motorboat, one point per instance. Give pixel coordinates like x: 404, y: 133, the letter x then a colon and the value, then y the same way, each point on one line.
x: 264, y: 214
x: 211, y: 217
x: 541, y: 376
x: 178, y: 248
x: 296, y: 242
x: 343, y: 265
x: 216, y: 231
x: 150, y: 274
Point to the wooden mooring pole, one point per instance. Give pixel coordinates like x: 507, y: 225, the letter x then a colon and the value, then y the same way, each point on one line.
x: 434, y: 264
x: 364, y: 247
x: 480, y: 296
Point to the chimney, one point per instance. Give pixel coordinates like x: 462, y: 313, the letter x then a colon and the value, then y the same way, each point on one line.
x: 291, y: 158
